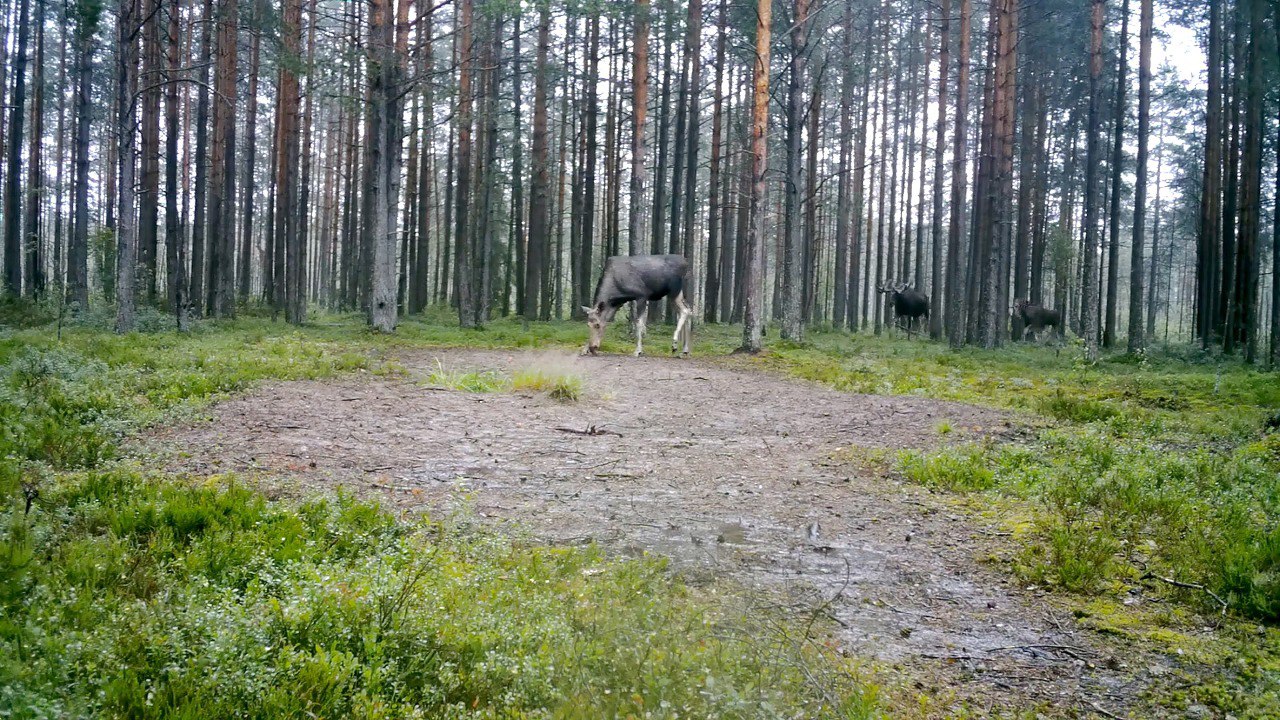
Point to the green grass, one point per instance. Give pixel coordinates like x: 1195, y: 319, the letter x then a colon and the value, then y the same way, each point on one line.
x: 556, y: 385
x: 126, y: 593
x: 1137, y: 468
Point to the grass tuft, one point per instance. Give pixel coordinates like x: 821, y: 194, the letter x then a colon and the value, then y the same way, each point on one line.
x: 556, y: 385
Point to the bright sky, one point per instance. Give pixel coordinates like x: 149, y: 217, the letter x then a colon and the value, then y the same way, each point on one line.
x: 1180, y: 50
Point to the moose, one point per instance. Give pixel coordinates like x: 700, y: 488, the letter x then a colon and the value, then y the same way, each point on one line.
x: 1036, y: 318
x: 908, y: 303
x: 640, y: 279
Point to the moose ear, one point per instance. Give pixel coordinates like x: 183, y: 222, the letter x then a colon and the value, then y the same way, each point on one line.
x: 587, y: 309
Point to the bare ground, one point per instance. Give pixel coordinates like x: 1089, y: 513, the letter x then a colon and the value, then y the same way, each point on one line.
x: 730, y: 472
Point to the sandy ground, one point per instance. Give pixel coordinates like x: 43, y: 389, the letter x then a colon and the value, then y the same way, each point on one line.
x: 731, y: 473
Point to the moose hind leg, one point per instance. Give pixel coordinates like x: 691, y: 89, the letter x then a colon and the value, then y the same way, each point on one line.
x: 642, y: 315
x: 684, y: 326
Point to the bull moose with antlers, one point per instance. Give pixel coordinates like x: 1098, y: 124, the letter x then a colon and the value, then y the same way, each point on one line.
x: 908, y: 303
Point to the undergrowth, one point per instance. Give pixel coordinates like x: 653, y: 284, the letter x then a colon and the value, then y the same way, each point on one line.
x: 125, y: 593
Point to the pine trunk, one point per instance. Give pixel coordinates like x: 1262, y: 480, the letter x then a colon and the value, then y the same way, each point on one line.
x: 753, y: 322
x: 1092, y: 204
x: 1136, y: 265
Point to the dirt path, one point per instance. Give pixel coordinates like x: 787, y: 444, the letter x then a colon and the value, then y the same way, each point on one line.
x: 727, y: 471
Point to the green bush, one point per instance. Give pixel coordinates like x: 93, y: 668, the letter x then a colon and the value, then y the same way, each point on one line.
x: 133, y: 597
x: 961, y: 468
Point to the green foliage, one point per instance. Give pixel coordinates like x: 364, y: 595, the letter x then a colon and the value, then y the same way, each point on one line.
x: 557, y: 385
x: 486, y: 381
x: 963, y: 468
x: 130, y: 596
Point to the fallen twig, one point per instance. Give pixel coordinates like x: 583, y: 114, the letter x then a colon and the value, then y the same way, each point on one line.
x: 1189, y: 586
x: 1071, y: 650
x: 591, y: 431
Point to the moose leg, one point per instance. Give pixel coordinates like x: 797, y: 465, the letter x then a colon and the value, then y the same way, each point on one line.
x: 684, y: 325
x: 642, y: 314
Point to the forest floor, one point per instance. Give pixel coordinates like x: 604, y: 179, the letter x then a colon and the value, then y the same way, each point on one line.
x: 746, y: 480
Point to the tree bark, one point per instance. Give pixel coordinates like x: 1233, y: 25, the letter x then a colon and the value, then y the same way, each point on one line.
x: 539, y: 188
x: 387, y: 115
x: 199, y: 234
x: 149, y: 187
x: 1117, y: 166
x: 1209, y: 238
x: 793, y: 258
x: 1243, y: 324
x: 462, y: 193
x: 250, y: 155
x: 753, y: 324
x: 711, y: 296
x: 174, y: 243
x: 955, y: 287
x: 1089, y: 308
x: 1136, y: 265
x: 222, y: 180
x: 12, y: 179
x: 944, y: 71
x: 34, y: 278
x: 127, y: 232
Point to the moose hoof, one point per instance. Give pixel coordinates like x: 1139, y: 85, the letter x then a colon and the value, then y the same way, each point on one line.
x: 684, y: 355
x: 638, y: 353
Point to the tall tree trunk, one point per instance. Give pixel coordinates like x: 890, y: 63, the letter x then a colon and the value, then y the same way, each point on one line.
x: 1092, y: 205
x: 462, y: 193
x: 487, y: 181
x: 639, y: 105
x: 127, y: 237
x: 728, y: 228
x: 692, y: 137
x: 1234, y: 82
x: 387, y: 113
x: 955, y: 288
x: 844, y: 209
x: 711, y: 296
x: 1245, y: 293
x: 753, y: 324
x: 174, y: 243
x: 35, y: 278
x: 657, y: 218
x: 1209, y: 239
x: 996, y: 278
x: 222, y: 179
x: 1275, y: 270
x: 944, y: 71
x: 1152, y: 286
x: 793, y: 258
x: 1026, y: 192
x: 13, y: 184
x: 1039, y: 199
x: 812, y: 246
x: 149, y: 187
x: 87, y: 17
x: 591, y: 112
x: 60, y: 161
x: 1136, y: 266
x: 918, y: 272
x: 250, y: 153
x: 1117, y: 166
x: 420, y: 289
x: 199, y: 234
x: 519, y: 236
x: 539, y: 188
